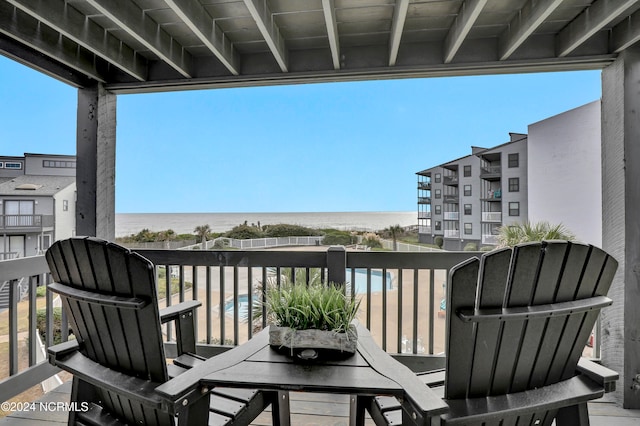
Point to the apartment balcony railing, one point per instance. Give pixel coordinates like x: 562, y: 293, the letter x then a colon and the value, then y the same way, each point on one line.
x: 33, y: 222
x: 490, y: 171
x: 424, y: 200
x: 450, y: 180
x: 452, y: 199
x: 400, y: 293
x: 490, y: 239
x: 451, y: 215
x: 424, y: 229
x: 424, y: 215
x: 452, y: 233
x: 492, y: 217
x: 424, y: 185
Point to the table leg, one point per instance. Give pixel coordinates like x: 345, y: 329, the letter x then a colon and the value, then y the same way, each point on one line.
x: 280, y: 410
x: 357, y: 408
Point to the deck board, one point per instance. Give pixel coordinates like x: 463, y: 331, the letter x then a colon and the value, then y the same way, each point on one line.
x: 306, y: 409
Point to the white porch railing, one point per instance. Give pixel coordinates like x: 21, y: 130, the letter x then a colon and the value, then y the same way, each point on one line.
x: 492, y: 216
x: 489, y: 239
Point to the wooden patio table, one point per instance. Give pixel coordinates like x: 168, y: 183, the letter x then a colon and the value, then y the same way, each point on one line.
x: 369, y: 372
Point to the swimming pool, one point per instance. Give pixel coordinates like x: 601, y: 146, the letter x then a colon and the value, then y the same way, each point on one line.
x: 360, y: 281
x: 360, y: 285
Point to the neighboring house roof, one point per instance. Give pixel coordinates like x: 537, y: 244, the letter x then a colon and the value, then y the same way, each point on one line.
x: 34, y: 185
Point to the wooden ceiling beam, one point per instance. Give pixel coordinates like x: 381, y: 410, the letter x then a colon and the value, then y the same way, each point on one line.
x: 329, y: 10
x: 528, y: 19
x: 137, y: 24
x: 467, y: 16
x: 626, y: 33
x: 208, y: 32
x: 259, y: 10
x: 589, y: 22
x: 72, y: 24
x: 397, y: 26
x: 26, y: 30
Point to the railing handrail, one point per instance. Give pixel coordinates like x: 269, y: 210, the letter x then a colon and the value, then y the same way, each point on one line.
x: 18, y: 221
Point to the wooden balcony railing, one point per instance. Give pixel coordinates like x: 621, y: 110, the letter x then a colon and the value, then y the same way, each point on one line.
x: 25, y: 222
x: 401, y: 295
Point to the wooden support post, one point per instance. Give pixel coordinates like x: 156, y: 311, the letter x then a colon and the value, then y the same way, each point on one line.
x: 621, y: 222
x: 96, y: 154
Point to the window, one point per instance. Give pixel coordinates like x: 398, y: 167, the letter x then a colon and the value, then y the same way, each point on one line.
x: 438, y: 225
x: 438, y: 193
x: 467, y: 171
x: 468, y: 228
x: 65, y: 205
x: 467, y: 209
x: 1, y: 165
x: 514, y: 209
x: 59, y: 164
x: 438, y: 209
x: 467, y: 190
x: 514, y: 161
x: 12, y: 165
x: 514, y: 184
x: 19, y: 213
x: 438, y: 177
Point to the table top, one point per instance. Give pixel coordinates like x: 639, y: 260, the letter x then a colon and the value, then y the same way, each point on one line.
x: 370, y: 371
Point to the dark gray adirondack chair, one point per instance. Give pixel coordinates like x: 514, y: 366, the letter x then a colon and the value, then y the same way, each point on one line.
x: 118, y: 357
x: 518, y: 322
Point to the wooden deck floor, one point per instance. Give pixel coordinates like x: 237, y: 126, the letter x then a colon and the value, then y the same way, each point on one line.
x: 306, y: 409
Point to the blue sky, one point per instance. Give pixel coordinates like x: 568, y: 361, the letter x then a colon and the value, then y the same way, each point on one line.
x: 303, y: 148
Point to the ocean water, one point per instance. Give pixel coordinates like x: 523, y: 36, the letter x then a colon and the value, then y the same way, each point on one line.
x: 185, y: 223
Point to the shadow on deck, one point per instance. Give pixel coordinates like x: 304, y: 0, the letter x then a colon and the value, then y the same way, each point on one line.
x: 306, y: 409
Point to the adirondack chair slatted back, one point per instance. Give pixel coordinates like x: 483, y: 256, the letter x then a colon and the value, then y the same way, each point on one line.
x: 505, y: 353
x: 113, y: 310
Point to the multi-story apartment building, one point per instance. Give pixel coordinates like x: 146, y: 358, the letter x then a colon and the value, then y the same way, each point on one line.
x: 37, y: 202
x: 466, y: 200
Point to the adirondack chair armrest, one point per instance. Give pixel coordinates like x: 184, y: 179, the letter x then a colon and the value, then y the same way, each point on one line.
x: 172, y: 313
x: 62, y: 349
x: 92, y: 372
x: 144, y: 391
x: 183, y: 315
x: 574, y: 391
x: 600, y: 374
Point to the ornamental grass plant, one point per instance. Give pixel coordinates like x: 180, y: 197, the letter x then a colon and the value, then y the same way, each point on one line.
x: 313, y: 306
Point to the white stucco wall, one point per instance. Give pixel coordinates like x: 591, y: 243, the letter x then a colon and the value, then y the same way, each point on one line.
x: 65, y: 220
x: 564, y: 176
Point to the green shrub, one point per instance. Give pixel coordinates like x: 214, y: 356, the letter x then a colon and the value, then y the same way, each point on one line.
x: 220, y: 244
x: 41, y: 291
x: 41, y: 324
x: 471, y: 247
x: 284, y: 230
x: 175, y: 287
x: 372, y: 242
x: 335, y: 237
x: 439, y: 241
x: 522, y: 233
x: 244, y: 232
x: 487, y: 248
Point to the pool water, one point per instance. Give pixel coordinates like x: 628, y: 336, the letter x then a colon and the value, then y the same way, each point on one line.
x: 376, y: 280
x: 360, y: 285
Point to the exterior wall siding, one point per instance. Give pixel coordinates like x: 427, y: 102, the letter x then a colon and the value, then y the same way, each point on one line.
x: 65, y: 220
x: 564, y: 160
